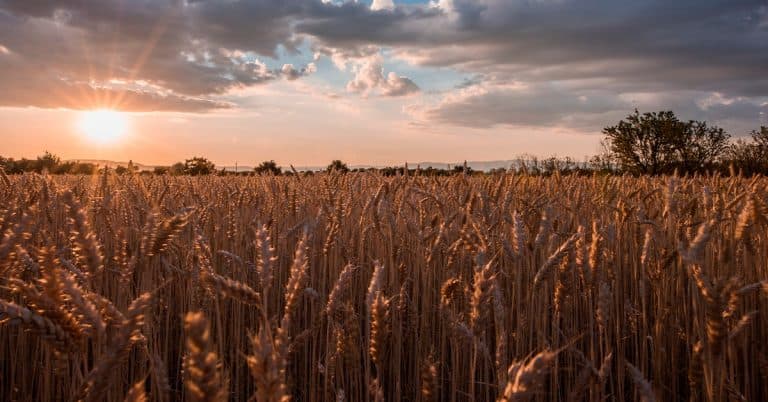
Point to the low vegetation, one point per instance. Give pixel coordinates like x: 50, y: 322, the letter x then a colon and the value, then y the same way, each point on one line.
x: 641, y: 144
x: 363, y: 287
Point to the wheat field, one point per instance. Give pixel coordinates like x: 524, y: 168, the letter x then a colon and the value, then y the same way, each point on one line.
x: 361, y: 287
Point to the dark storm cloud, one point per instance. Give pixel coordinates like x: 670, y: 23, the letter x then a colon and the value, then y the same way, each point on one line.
x: 560, y: 49
x: 257, y: 26
x: 354, y: 24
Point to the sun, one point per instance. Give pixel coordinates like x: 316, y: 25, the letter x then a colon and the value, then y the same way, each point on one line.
x: 103, y: 126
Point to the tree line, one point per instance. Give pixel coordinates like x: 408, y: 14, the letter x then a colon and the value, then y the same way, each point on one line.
x: 47, y: 162
x: 659, y: 143
x: 641, y: 144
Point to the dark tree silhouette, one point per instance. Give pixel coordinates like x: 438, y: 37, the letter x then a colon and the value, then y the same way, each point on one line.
x: 268, y: 167
x: 199, y: 166
x: 654, y: 143
x: 337, y: 166
x: 750, y: 157
x: 459, y: 169
x: 761, y: 139
x: 645, y: 143
x: 701, y: 146
x: 177, y: 169
x: 48, y: 163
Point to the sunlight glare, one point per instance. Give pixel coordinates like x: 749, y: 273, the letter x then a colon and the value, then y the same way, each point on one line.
x: 103, y: 126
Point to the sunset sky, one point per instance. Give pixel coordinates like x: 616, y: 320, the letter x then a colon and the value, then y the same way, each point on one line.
x: 382, y: 82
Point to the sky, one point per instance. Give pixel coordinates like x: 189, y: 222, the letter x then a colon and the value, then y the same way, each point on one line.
x: 370, y: 82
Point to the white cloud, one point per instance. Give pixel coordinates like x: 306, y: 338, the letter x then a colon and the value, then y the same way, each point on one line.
x: 342, y: 57
x: 370, y: 79
x: 398, y: 86
x: 382, y: 5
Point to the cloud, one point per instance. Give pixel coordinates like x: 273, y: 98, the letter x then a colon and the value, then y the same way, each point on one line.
x: 84, y: 96
x: 493, y: 103
x: 579, y: 106
x: 540, y: 62
x: 621, y: 47
x: 370, y: 79
x: 377, y: 5
x: 292, y: 73
x: 185, y: 50
x: 342, y: 57
x: 396, y: 85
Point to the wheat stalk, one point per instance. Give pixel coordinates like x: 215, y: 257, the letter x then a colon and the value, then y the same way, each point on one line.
x: 202, y: 378
x: 643, y: 386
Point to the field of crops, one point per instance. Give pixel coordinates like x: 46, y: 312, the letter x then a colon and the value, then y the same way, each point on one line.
x: 360, y: 287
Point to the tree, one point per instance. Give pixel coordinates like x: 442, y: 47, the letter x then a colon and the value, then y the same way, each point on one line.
x: 654, y: 143
x: 500, y: 171
x: 760, y: 139
x: 177, y: 169
x: 132, y: 169
x: 199, y: 166
x: 337, y: 166
x: 47, y: 163
x: 701, y: 146
x: 462, y: 169
x: 8, y: 165
x: 128, y: 169
x: 750, y: 157
x: 268, y: 167
x: 644, y: 143
x: 82, y: 168
x: 25, y: 165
